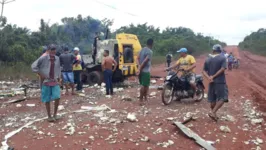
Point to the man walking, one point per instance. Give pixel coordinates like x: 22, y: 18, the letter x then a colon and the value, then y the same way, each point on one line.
x: 66, y: 61
x: 48, y: 68
x: 144, y: 63
x: 107, y: 67
x: 77, y: 69
x: 168, y: 59
x: 213, y: 70
x: 94, y: 50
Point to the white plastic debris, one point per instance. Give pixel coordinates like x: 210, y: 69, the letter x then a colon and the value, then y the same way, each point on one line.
x: 18, y: 105
x: 103, y: 85
x: 256, y: 121
x: 126, y: 98
x: 153, y: 94
x: 225, y: 129
x: 159, y: 130
x: 131, y: 117
x: 61, y: 107
x: 153, y: 81
x: 260, y: 141
x: 30, y: 105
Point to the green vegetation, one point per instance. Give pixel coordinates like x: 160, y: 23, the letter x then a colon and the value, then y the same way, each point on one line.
x: 20, y: 46
x: 255, y: 42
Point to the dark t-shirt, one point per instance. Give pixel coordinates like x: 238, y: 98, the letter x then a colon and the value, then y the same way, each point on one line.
x: 213, y: 64
x: 66, y: 61
x: 168, y: 57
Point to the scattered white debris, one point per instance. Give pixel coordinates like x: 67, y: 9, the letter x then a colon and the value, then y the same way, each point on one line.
x: 61, y: 107
x: 30, y: 105
x: 103, y: 85
x: 229, y: 118
x: 91, y: 137
x: 166, y: 144
x: 170, y: 119
x: 159, y: 130
x: 256, y: 121
x: 145, y: 139
x: 70, y: 129
x: 246, y: 142
x: 108, y: 96
x: 153, y: 94
x: 225, y: 129
x: 131, y: 117
x: 126, y: 98
x: 153, y: 81
x: 260, y: 141
x: 18, y: 105
x: 205, y: 95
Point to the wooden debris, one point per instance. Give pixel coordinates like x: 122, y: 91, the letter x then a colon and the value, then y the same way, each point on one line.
x: 194, y: 136
x: 15, y: 100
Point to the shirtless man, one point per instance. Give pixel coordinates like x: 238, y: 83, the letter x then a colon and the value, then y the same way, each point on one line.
x: 107, y: 67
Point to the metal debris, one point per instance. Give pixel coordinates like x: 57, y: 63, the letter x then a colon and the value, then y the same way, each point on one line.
x: 225, y: 129
x: 131, y: 117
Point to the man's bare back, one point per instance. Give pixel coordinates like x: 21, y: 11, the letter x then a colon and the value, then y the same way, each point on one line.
x: 108, y: 63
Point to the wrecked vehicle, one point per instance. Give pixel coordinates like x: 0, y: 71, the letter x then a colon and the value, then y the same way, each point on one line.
x: 124, y: 49
x: 179, y: 88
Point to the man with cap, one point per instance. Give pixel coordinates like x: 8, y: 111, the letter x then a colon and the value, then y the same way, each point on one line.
x: 169, y: 59
x: 77, y: 69
x: 188, y: 64
x: 66, y: 61
x: 214, y: 70
x: 48, y: 68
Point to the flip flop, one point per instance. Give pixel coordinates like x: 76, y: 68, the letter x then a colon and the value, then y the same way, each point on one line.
x: 57, y: 117
x: 212, y: 117
x: 51, y: 119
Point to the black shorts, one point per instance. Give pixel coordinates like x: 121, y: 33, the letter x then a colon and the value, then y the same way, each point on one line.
x: 217, y: 92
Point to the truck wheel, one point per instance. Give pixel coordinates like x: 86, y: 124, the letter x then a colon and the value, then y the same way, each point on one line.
x: 84, y: 77
x: 95, y: 77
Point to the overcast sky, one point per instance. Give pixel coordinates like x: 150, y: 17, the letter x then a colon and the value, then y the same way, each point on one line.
x: 228, y: 20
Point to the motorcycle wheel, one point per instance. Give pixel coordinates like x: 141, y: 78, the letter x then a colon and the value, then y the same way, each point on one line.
x: 167, y: 99
x: 200, y: 93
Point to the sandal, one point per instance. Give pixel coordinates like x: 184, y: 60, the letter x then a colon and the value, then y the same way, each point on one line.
x: 57, y: 117
x: 51, y: 119
x: 213, y: 117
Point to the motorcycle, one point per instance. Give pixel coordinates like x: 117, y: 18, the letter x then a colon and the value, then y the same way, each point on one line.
x: 179, y: 87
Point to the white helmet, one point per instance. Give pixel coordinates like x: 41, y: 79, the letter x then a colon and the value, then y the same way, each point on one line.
x: 76, y: 49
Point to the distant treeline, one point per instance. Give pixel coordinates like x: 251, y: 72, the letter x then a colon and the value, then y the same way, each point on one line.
x: 255, y: 42
x: 21, y: 45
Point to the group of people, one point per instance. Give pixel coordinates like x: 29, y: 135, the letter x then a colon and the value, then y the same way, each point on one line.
x: 213, y: 70
x: 232, y: 61
x: 51, y: 68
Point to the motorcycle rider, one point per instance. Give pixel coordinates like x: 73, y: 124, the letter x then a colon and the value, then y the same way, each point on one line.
x: 214, y: 70
x: 230, y: 61
x: 188, y: 64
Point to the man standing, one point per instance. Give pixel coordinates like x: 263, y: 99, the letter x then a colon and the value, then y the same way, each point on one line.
x: 213, y: 70
x: 77, y: 69
x: 107, y: 67
x: 188, y: 64
x: 94, y: 51
x: 66, y: 61
x: 144, y: 63
x: 168, y: 59
x: 230, y: 61
x: 48, y: 68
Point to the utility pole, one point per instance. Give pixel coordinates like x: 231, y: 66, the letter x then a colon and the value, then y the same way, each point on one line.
x: 3, y: 2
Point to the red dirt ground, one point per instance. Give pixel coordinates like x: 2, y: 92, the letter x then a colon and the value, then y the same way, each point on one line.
x: 246, y: 83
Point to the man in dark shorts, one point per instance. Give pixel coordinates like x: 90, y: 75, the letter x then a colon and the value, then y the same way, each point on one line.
x: 213, y: 70
x: 66, y: 61
x: 144, y: 62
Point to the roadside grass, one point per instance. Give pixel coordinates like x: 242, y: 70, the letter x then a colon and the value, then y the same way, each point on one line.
x: 16, y: 71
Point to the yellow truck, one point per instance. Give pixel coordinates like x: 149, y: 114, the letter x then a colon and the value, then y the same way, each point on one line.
x: 124, y: 49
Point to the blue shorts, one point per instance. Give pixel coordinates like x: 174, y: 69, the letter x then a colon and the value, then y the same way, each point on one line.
x: 68, y: 77
x: 50, y: 93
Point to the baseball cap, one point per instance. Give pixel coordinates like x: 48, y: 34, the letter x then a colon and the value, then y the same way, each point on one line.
x: 217, y: 47
x: 182, y: 50
x: 76, y: 49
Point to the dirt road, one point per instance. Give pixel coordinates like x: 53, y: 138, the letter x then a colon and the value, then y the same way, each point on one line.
x: 108, y: 128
